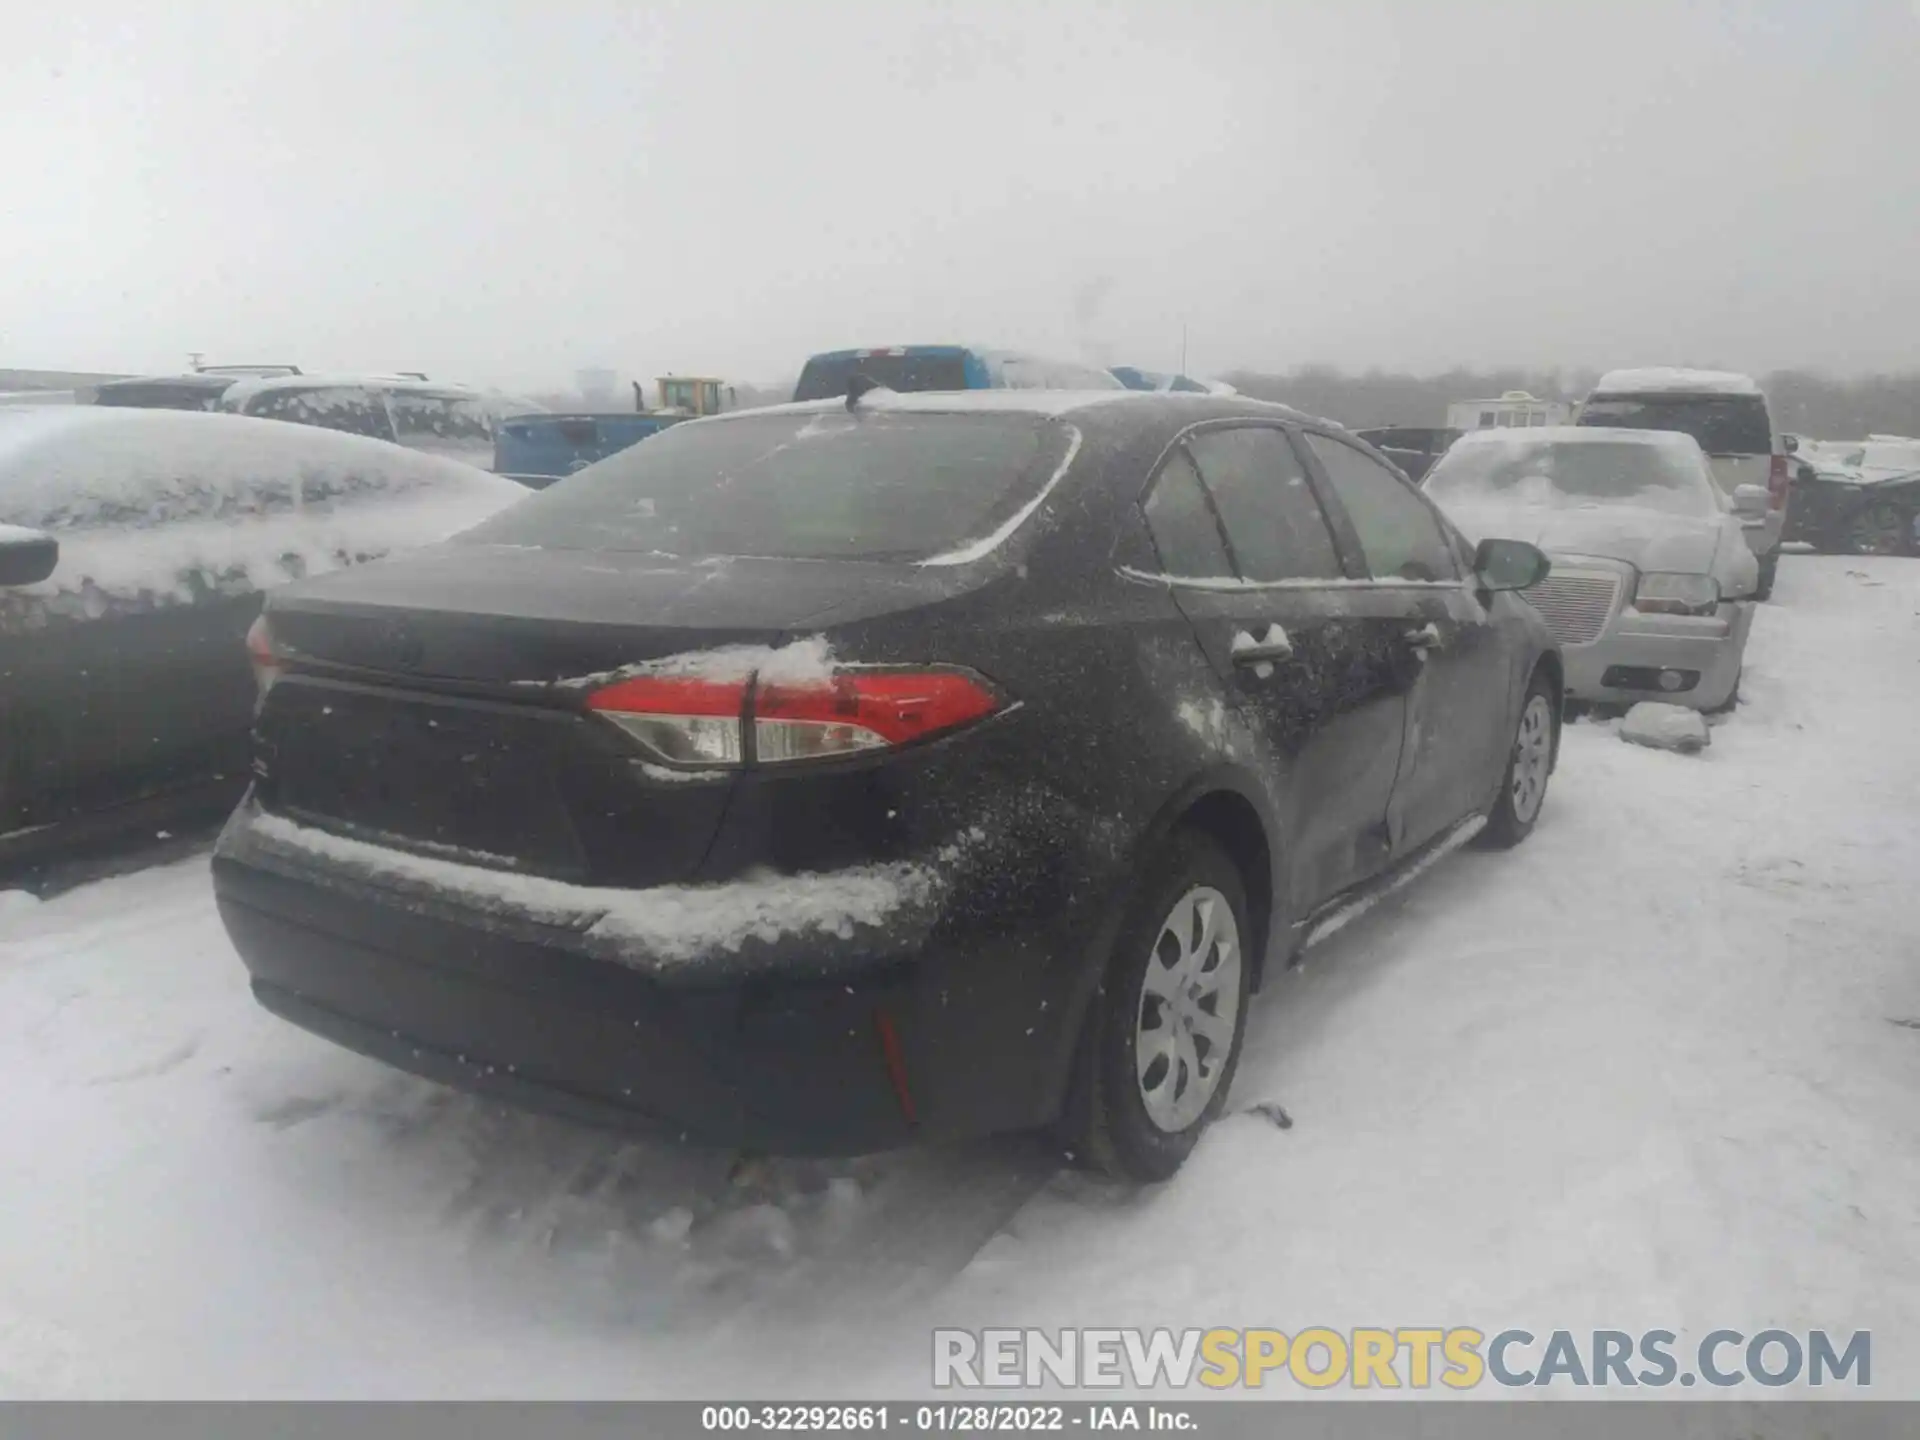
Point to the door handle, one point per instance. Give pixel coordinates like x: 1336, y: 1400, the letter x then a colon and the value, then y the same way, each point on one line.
x: 1427, y: 637
x: 1274, y: 645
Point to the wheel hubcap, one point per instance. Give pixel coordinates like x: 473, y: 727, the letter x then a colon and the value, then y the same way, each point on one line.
x: 1532, y: 755
x: 1189, y: 1005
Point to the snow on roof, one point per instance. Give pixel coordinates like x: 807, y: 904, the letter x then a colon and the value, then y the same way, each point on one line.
x: 1577, y: 435
x: 73, y: 467
x: 244, y: 390
x: 1658, y: 379
x: 944, y: 402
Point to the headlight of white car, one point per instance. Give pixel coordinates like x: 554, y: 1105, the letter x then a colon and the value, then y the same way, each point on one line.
x: 1663, y: 593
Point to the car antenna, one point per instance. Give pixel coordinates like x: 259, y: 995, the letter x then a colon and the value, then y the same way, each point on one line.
x: 857, y: 386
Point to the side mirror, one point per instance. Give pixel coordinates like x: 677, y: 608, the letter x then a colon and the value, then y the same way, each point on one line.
x: 1509, y: 565
x: 1750, y: 502
x: 26, y: 556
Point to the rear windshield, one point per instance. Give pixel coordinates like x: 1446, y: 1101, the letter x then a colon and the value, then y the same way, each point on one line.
x: 1723, y: 424
x: 1518, y: 471
x: 826, y: 379
x: 820, y: 487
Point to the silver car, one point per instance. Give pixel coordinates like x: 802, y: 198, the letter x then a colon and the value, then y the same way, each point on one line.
x: 1653, y: 584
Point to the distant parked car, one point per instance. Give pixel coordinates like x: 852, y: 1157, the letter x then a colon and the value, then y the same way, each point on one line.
x: 537, y: 450
x: 1857, y: 499
x: 907, y: 368
x: 1653, y: 582
x: 136, y: 545
x: 1728, y: 415
x: 456, y: 421
x: 826, y: 777
x: 1414, y: 448
x: 164, y: 392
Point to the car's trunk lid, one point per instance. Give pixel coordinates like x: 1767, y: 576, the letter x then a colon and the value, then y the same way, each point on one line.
x: 439, y: 704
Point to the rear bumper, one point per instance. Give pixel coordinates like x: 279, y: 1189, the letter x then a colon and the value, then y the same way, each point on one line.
x: 1637, y: 648
x: 808, y: 1047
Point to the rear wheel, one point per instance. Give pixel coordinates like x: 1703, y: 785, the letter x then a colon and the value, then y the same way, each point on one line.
x: 1164, y: 1034
x: 1882, y: 529
x: 1523, y: 787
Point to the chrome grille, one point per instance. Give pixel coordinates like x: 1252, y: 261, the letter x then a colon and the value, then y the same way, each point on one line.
x: 1575, y: 607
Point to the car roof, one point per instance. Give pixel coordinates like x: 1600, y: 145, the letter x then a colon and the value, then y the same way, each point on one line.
x: 1171, y: 405
x: 1580, y: 435
x: 194, y: 381
x: 245, y: 390
x: 1662, y: 379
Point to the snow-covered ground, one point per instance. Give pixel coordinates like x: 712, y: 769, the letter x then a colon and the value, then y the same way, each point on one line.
x: 1647, y: 1071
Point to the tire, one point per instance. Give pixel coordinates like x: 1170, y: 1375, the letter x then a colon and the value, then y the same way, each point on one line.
x: 1884, y: 528
x: 1725, y: 707
x: 1769, y: 568
x: 1523, y: 783
x: 1139, y: 1122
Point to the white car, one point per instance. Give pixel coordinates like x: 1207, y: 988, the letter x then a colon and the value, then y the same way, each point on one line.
x: 1727, y: 413
x: 1653, y: 584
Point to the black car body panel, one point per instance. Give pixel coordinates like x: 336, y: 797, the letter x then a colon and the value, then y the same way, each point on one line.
x: 1016, y: 841
x: 124, y: 681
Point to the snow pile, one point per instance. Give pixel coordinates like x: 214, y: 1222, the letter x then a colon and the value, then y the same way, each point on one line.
x: 1660, y: 379
x: 1666, y: 727
x: 14, y: 902
x: 664, y: 926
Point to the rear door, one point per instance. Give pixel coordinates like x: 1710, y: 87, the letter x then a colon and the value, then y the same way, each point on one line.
x: 1306, y: 677
x: 1430, y: 617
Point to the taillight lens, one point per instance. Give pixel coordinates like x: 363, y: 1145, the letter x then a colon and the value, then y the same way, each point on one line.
x: 682, y: 721
x: 703, y: 723
x: 1779, y: 478
x: 260, y: 651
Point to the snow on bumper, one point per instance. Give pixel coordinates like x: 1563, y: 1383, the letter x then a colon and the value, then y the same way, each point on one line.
x: 813, y: 922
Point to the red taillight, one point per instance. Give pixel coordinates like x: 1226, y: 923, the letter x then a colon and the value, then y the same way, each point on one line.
x: 695, y: 722
x: 260, y: 651
x: 1778, y: 480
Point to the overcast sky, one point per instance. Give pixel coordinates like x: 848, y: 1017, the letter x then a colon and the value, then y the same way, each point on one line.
x: 505, y: 191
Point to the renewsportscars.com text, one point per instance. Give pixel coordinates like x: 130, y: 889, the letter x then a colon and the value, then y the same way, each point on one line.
x: 1460, y: 1358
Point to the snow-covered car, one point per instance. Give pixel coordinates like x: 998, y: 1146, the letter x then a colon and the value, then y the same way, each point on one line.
x: 1729, y: 416
x: 135, y: 545
x: 1652, y: 590
x: 1857, y: 499
x: 456, y: 421
x: 817, y: 778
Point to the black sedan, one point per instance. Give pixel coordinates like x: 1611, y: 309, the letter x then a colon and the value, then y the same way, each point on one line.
x: 134, y: 547
x: 1862, y: 499
x: 818, y: 778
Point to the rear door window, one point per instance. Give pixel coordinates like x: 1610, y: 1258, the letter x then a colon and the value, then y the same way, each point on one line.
x: 824, y: 486
x: 1723, y: 424
x: 336, y: 407
x: 1272, y: 518
x: 1399, y: 536
x: 1181, y: 519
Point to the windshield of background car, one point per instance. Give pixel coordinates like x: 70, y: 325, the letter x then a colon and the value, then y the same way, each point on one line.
x: 821, y: 487
x: 1521, y: 471
x: 1723, y: 424
x: 825, y: 379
